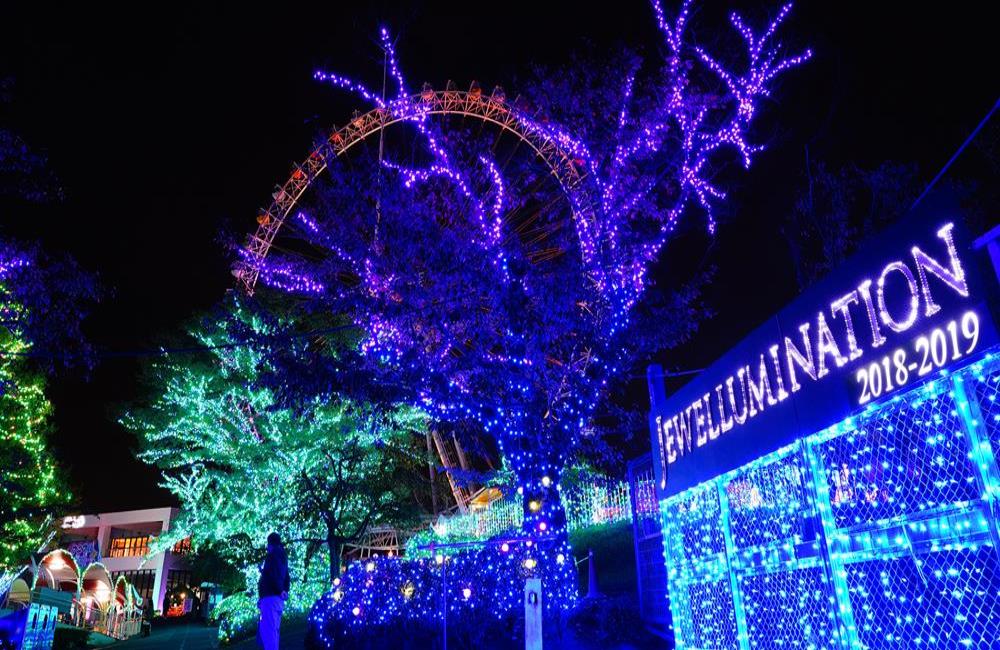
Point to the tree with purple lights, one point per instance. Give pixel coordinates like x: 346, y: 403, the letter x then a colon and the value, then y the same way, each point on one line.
x: 483, y: 289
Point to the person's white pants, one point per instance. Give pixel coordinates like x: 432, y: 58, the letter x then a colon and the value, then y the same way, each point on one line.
x: 270, y: 621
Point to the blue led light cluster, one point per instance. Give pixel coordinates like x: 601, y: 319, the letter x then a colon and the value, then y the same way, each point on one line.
x: 879, y: 532
x: 392, y: 596
x: 987, y: 396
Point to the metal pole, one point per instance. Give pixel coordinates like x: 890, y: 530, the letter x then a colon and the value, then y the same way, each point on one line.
x: 430, y: 474
x: 444, y: 595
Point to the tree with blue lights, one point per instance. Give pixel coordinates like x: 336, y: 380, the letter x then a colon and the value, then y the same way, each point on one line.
x: 480, y: 295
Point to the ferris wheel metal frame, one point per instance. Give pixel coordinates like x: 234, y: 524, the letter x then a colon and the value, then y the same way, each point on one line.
x: 494, y: 109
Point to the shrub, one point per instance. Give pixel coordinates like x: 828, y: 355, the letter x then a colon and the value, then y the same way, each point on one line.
x: 609, y: 620
x: 614, y: 556
x: 70, y: 638
x: 383, y: 602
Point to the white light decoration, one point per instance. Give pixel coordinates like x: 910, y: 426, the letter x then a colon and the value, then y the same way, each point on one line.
x: 931, y: 351
x: 102, y: 592
x: 820, y: 347
x: 911, y: 283
x: 954, y: 278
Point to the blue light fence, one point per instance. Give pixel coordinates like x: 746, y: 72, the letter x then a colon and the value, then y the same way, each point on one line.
x: 878, y: 532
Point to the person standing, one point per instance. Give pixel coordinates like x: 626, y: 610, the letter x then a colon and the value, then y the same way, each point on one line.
x: 272, y: 591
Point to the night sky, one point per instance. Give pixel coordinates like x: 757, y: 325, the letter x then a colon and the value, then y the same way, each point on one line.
x: 168, y: 130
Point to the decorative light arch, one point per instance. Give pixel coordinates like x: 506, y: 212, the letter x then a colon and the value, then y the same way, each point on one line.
x: 69, y: 560
x: 83, y: 576
x: 124, y: 591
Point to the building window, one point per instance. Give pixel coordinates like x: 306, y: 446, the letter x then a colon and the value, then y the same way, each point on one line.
x: 183, y: 547
x: 129, y: 546
x: 142, y: 580
x: 178, y: 579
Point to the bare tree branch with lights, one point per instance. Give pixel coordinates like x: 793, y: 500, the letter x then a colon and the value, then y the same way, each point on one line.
x: 482, y: 294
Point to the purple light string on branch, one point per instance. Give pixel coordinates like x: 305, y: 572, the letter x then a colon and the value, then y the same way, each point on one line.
x: 616, y: 265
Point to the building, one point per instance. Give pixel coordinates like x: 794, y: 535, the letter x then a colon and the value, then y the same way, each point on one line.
x: 119, y: 541
x: 833, y: 481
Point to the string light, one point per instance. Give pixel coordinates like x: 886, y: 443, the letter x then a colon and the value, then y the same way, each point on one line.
x: 31, y: 488
x: 214, y: 429
x: 464, y: 587
x: 517, y: 383
x: 876, y: 532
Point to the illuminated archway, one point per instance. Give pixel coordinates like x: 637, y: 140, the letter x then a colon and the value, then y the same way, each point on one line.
x: 95, y: 583
x: 58, y: 570
x: 123, y: 594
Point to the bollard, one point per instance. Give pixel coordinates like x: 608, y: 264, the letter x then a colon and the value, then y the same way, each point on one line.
x: 533, y: 614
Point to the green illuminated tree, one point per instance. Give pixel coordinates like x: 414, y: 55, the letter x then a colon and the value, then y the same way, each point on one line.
x: 242, y: 465
x: 30, y: 485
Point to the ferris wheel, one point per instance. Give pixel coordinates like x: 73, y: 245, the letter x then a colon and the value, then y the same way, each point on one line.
x: 493, y: 109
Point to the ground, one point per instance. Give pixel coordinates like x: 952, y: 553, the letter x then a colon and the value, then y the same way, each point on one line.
x: 196, y: 636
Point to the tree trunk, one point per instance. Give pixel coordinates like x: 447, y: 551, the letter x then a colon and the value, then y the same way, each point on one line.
x: 544, y: 515
x: 430, y: 475
x: 335, y: 544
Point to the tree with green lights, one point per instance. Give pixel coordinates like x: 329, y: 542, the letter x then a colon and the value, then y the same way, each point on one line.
x: 30, y: 486
x: 43, y: 301
x: 242, y: 464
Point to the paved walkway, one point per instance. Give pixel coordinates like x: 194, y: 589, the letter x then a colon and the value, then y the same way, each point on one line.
x: 195, y: 636
x: 293, y: 637
x: 174, y: 636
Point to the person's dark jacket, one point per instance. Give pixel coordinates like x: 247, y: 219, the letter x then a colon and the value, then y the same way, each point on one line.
x: 274, y: 579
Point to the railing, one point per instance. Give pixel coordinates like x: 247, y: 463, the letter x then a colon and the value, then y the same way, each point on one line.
x: 589, y: 503
x: 114, y: 621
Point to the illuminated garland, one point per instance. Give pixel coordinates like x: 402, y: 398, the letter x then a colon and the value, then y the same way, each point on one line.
x: 592, y: 502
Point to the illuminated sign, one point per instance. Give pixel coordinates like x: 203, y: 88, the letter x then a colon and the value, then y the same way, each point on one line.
x: 932, y: 351
x: 891, y: 318
x: 74, y: 521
